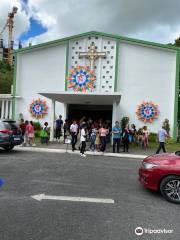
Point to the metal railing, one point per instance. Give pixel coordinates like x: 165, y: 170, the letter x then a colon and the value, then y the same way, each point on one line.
x: 5, y: 106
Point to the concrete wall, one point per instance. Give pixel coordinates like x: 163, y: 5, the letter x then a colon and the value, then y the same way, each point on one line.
x: 41, y: 70
x: 146, y: 73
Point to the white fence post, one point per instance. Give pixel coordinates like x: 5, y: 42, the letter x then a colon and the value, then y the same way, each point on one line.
x: 6, y: 109
x: 5, y: 106
x: 10, y: 109
x: 2, y: 110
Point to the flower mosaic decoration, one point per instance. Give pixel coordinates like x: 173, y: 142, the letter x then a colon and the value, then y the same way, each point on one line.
x: 81, y: 79
x: 38, y: 108
x: 147, y: 111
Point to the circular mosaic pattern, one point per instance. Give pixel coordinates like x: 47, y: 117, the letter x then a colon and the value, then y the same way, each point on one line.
x: 81, y: 79
x: 147, y: 112
x: 38, y: 108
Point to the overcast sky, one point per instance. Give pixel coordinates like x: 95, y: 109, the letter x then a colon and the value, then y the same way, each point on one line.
x: 43, y: 20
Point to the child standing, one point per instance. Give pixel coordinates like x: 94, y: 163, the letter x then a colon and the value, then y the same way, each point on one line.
x: 93, y: 138
x: 103, y: 132
x: 83, y: 141
x: 30, y: 132
x: 145, y: 137
x: 45, y: 134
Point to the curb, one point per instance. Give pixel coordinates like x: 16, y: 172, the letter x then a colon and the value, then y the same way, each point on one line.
x: 52, y: 150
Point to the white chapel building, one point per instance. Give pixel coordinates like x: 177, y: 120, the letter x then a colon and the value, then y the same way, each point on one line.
x: 99, y: 75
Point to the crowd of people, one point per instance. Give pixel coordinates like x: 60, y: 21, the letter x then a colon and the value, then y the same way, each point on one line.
x: 27, y: 129
x: 98, y: 133
x: 28, y: 133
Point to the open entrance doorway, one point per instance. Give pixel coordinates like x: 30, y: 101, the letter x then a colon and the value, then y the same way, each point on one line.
x: 95, y: 112
x: 78, y: 104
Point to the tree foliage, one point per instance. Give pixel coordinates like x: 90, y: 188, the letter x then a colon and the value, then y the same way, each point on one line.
x: 124, y: 122
x: 6, y: 77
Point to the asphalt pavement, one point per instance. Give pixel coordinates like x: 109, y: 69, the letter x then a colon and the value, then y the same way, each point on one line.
x: 27, y: 174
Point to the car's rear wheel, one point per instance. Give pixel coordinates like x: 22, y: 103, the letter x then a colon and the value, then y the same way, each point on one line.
x: 8, y: 148
x: 170, y: 188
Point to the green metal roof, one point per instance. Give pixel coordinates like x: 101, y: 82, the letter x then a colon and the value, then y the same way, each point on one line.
x: 117, y: 37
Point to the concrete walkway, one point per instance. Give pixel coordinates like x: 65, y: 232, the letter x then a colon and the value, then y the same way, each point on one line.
x: 55, y: 147
x: 55, y: 150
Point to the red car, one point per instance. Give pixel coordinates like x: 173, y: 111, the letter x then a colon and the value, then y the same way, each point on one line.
x: 162, y: 172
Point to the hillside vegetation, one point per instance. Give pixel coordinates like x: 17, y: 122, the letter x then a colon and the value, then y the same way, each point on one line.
x: 6, y: 77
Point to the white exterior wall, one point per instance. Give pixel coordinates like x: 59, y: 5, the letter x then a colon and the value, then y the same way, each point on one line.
x: 146, y: 73
x: 40, y: 70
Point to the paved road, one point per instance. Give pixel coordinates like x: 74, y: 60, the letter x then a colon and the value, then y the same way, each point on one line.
x: 27, y: 173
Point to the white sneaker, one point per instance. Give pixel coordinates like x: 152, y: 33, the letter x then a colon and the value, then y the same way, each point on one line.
x: 34, y: 145
x: 83, y: 155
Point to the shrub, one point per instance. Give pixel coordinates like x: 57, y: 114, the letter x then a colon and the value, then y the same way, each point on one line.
x: 37, y: 126
x: 166, y: 125
x: 124, y: 122
x: 170, y: 140
x: 152, y: 137
x: 37, y: 133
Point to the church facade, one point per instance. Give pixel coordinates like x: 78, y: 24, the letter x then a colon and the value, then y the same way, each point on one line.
x: 98, y: 74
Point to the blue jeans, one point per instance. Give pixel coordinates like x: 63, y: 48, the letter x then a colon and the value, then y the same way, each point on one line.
x: 161, y: 145
x: 116, y: 141
x: 103, y: 143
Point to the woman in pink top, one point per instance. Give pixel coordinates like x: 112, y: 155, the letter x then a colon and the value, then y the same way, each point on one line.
x: 103, y: 131
x: 30, y: 132
x: 145, y: 137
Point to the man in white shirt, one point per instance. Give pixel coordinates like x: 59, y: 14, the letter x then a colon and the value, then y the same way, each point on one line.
x: 74, y: 133
x: 162, y: 134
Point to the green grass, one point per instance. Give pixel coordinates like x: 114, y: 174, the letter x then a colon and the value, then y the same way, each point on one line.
x: 170, y: 146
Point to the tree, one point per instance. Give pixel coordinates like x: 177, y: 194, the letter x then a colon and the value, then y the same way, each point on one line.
x: 6, y: 77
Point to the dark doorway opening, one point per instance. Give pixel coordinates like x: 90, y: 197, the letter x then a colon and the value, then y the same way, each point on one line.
x: 95, y: 112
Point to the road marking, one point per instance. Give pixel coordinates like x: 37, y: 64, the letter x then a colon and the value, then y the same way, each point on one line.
x: 42, y: 196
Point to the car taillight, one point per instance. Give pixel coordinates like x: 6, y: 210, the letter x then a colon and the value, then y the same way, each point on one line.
x: 6, y: 131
